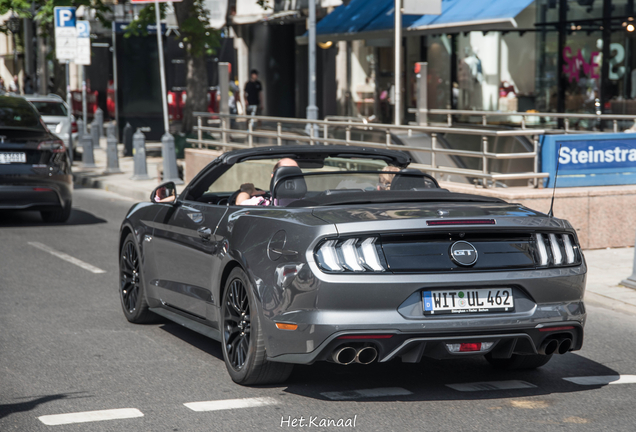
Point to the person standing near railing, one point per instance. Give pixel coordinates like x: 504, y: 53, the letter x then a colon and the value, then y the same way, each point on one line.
x: 253, y: 94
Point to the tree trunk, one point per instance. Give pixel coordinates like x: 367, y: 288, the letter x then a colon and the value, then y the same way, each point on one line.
x: 197, y: 90
x: 197, y: 76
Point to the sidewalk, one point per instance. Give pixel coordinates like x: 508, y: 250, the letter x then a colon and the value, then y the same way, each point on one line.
x: 138, y: 190
x: 606, y: 267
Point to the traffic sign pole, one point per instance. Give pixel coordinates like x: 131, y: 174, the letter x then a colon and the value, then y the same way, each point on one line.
x: 162, y: 72
x: 70, y: 110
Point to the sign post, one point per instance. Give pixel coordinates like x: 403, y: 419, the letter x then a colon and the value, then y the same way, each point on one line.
x: 65, y: 46
x: 83, y: 57
x: 170, y: 171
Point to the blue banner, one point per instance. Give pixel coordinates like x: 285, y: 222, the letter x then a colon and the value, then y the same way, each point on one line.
x: 590, y: 159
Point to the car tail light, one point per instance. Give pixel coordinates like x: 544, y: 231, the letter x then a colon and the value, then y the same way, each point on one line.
x: 74, y: 127
x: 557, y: 250
x: 55, y: 146
x: 350, y: 255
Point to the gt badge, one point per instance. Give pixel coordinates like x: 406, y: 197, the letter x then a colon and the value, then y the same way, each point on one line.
x: 463, y: 253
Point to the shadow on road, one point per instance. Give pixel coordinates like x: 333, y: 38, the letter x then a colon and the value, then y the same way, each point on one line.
x: 428, y: 379
x: 7, y: 409
x: 195, y: 339
x: 33, y: 218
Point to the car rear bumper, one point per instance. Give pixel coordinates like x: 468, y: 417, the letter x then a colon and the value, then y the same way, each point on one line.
x: 333, y: 310
x: 35, y: 193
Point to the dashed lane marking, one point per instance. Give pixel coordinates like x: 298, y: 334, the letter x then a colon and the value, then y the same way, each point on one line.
x: 90, y: 416
x: 491, y: 385
x: 603, y: 379
x: 367, y: 393
x: 66, y: 257
x: 230, y: 404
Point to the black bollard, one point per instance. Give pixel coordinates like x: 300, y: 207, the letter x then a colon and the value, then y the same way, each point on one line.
x: 128, y: 140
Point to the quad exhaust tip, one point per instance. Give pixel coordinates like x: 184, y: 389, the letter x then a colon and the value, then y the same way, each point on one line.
x: 344, y: 355
x: 548, y: 347
x: 366, y: 355
x: 559, y: 346
x: 564, y: 345
x: 347, y: 355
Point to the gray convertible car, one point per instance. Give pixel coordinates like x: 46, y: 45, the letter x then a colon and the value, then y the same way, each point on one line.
x: 345, y: 254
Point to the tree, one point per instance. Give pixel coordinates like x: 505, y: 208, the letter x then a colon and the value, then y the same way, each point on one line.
x: 42, y: 12
x: 199, y: 40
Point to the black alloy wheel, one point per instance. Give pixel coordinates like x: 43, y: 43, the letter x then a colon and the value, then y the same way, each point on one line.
x: 129, y: 277
x: 243, y: 342
x: 236, y: 325
x: 131, y: 292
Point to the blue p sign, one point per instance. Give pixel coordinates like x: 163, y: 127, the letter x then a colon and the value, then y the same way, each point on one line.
x: 64, y: 16
x: 83, y: 29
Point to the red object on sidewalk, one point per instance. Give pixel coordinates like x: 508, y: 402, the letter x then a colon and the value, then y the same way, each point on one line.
x: 91, y: 103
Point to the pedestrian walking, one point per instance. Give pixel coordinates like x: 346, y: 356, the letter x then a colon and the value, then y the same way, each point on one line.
x: 14, y: 86
x: 254, y: 94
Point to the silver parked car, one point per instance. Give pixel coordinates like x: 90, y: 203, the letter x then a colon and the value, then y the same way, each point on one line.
x: 54, y: 112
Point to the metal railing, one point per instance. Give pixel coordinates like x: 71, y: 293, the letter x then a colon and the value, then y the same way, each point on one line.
x: 450, y: 113
x: 227, y: 139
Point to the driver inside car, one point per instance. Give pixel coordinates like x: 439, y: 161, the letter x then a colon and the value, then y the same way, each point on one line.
x: 251, y: 196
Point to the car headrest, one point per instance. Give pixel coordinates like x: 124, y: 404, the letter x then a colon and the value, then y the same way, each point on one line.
x: 290, y: 187
x: 413, y: 180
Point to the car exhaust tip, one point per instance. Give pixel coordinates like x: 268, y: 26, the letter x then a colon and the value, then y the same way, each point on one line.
x: 565, y: 345
x: 344, y: 355
x: 366, y: 355
x: 548, y: 347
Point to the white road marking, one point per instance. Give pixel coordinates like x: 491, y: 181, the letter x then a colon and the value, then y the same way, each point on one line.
x: 603, y: 379
x: 491, y: 385
x: 66, y: 257
x: 230, y: 404
x: 367, y: 393
x: 90, y: 416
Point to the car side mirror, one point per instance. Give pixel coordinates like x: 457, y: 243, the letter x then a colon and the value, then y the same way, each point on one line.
x: 164, y: 193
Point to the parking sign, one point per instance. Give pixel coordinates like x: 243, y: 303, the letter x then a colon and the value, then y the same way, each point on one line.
x: 83, y: 54
x: 65, y: 34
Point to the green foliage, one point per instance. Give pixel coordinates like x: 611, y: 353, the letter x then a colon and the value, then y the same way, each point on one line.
x: 146, y: 16
x: 42, y: 10
x: 194, y: 31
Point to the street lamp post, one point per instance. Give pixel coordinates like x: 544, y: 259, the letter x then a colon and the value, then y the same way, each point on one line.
x: 397, y: 98
x: 312, y: 109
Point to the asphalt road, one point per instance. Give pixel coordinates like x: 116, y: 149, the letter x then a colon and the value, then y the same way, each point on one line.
x: 65, y: 347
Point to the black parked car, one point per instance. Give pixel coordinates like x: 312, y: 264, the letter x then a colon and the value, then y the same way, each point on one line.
x: 35, y: 170
x: 348, y: 255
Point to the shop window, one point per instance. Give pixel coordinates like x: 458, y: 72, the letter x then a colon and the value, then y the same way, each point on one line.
x: 439, y: 72
x: 584, y: 9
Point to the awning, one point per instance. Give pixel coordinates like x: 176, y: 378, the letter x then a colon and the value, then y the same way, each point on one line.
x: 369, y: 19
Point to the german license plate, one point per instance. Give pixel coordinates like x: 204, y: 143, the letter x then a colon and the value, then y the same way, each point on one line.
x: 468, y: 301
x: 7, y: 158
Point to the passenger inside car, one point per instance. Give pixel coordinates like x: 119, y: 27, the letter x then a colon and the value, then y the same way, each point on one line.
x: 251, y: 196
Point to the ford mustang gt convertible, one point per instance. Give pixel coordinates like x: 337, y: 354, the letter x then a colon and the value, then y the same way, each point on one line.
x: 345, y: 254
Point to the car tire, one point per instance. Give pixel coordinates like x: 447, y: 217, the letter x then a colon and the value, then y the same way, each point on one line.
x: 242, y: 336
x: 519, y: 362
x: 57, y: 216
x: 131, y: 287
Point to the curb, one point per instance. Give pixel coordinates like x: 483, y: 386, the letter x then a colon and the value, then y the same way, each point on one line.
x: 609, y: 303
x: 80, y: 179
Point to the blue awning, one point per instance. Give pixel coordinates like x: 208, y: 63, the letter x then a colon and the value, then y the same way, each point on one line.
x: 375, y: 18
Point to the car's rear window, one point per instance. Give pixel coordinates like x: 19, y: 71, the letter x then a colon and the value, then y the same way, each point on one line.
x: 50, y: 108
x: 16, y: 112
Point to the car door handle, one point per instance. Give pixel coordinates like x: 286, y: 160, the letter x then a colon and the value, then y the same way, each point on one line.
x: 205, y: 233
